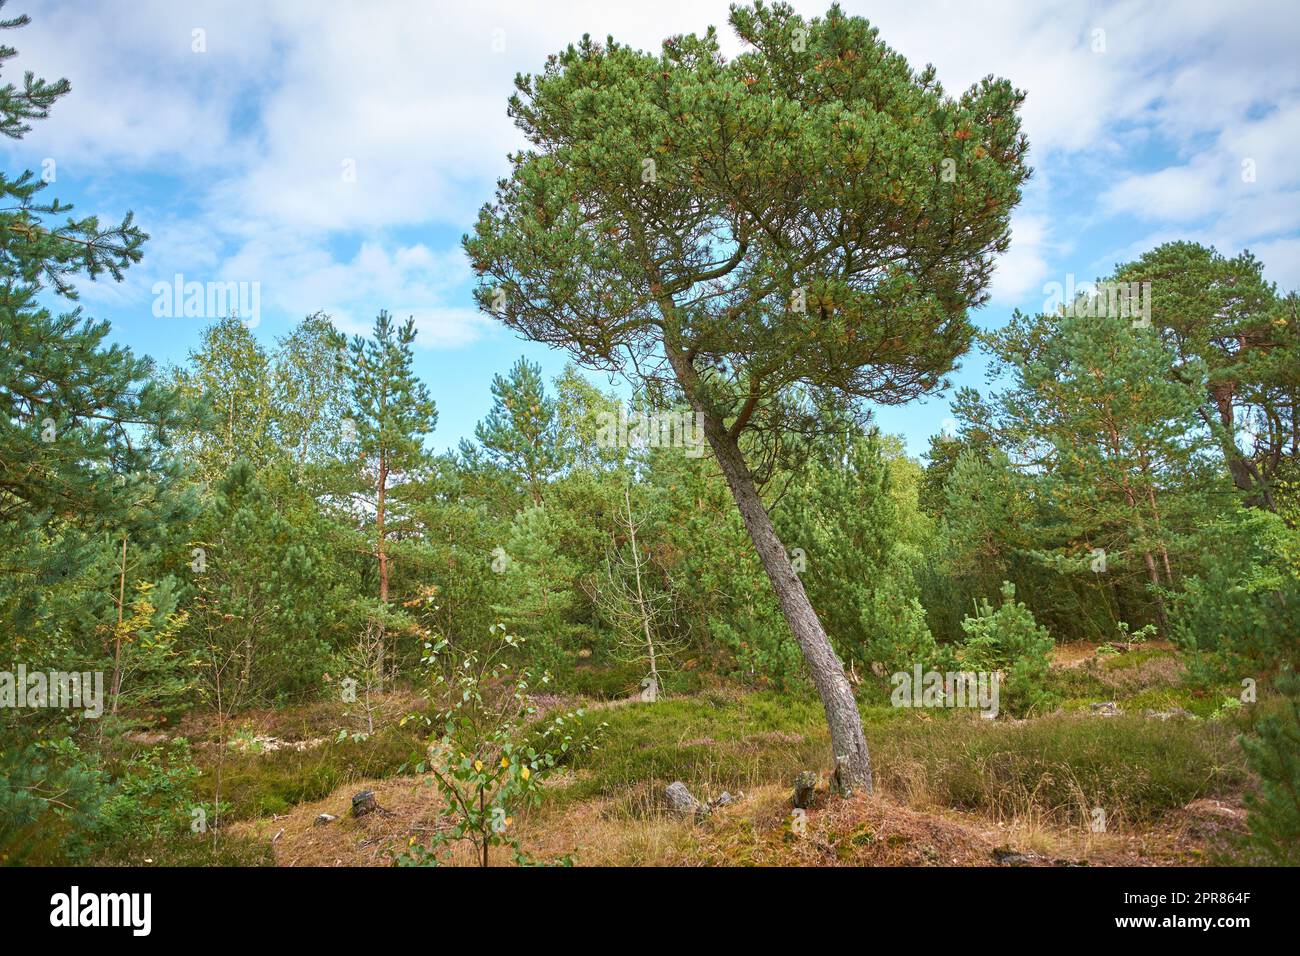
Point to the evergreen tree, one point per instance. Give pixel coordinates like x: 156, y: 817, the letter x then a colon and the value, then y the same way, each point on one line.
x: 742, y: 231
x: 1222, y: 316
x: 1274, y: 754
x: 1112, y: 440
x: 542, y: 599
x: 727, y: 610
x: 461, y: 527
x: 392, y: 412
x: 1007, y: 639
x: 84, y: 427
x: 854, y: 539
x: 1240, y: 612
x: 521, y: 430
x: 270, y: 604
x: 973, y: 434
x: 84, y: 459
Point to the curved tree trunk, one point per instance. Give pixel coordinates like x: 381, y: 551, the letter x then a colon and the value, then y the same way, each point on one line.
x: 848, y: 743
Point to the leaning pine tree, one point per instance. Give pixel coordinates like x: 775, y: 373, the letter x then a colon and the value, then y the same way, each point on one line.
x: 804, y: 226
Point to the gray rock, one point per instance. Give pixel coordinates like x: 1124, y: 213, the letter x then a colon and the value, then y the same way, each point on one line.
x: 145, y: 738
x: 805, y: 785
x: 723, y: 799
x: 1168, y: 714
x: 323, y: 819
x: 1005, y: 856
x: 680, y: 799
x: 364, y: 802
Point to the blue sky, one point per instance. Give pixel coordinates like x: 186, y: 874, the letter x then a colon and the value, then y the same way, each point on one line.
x: 1147, y: 122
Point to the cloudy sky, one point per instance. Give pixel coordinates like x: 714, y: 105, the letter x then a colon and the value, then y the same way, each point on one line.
x: 336, y: 152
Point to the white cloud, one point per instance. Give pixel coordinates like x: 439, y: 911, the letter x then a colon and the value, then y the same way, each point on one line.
x: 1281, y: 259
x: 1024, y: 267
x: 257, y: 128
x: 299, y: 277
x: 1176, y: 193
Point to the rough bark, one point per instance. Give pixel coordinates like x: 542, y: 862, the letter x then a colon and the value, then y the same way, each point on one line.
x: 117, y: 641
x: 1162, y: 619
x: 641, y: 608
x: 1246, y: 476
x: 383, y: 555
x: 848, y: 742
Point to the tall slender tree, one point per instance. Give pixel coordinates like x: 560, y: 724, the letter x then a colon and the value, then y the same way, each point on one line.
x: 393, y: 412
x: 84, y: 464
x: 310, y: 393
x: 812, y: 218
x: 1109, y: 437
x: 638, y: 599
x: 230, y: 374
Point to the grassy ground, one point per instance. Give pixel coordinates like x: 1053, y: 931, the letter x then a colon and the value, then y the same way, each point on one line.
x: 951, y: 788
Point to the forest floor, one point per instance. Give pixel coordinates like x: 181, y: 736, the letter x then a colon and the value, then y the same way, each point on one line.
x: 863, y: 830
x: 951, y: 789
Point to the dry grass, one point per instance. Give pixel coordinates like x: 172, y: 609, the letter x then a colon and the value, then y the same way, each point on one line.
x: 1074, y: 654
x: 600, y: 832
x: 303, y: 722
x: 758, y: 830
x: 952, y: 790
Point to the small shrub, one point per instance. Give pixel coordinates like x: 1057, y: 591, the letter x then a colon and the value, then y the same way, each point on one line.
x: 154, y: 798
x: 36, y: 828
x: 1242, y: 612
x: 486, y: 760
x: 1059, y: 767
x: 258, y: 785
x: 1007, y: 639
